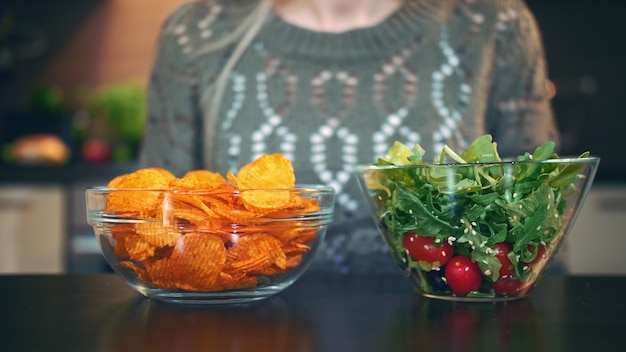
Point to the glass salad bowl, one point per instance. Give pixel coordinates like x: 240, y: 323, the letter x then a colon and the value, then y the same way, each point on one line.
x: 476, y: 228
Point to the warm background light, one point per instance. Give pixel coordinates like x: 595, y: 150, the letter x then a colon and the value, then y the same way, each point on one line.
x: 116, y: 43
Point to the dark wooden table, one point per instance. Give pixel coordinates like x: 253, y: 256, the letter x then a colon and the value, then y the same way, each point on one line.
x: 318, y: 313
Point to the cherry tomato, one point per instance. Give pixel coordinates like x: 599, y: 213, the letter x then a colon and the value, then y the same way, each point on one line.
x: 424, y: 248
x: 502, y: 249
x: 511, y: 287
x: 462, y: 275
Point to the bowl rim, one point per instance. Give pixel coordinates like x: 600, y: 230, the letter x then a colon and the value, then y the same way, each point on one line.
x: 305, y: 188
x: 591, y: 160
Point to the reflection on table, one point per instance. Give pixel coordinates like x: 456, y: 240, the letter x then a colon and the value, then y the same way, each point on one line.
x: 328, y: 312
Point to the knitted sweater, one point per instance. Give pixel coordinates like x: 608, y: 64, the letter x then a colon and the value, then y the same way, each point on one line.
x: 435, y: 72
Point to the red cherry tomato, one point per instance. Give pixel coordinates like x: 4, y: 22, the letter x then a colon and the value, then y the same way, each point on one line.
x: 511, y: 287
x: 502, y: 249
x: 424, y: 248
x: 462, y: 275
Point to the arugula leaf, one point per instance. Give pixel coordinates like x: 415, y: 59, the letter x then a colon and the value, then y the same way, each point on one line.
x: 483, y: 150
x: 399, y: 154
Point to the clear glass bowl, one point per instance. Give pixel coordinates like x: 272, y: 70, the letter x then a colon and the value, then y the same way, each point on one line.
x: 206, y: 247
x: 479, y: 231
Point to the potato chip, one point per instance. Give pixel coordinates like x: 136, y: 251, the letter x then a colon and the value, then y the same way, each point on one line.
x: 294, y: 259
x: 156, y: 234
x: 137, y: 248
x: 293, y: 231
x: 190, y: 208
x: 265, y: 201
x: 153, y: 177
x: 268, y: 171
x: 199, y: 180
x: 117, y: 181
x: 228, y: 210
x: 229, y: 282
x: 285, y: 235
x: 197, y: 261
x: 255, y: 252
x: 136, y: 203
x: 161, y: 273
x: 296, y: 248
x: 307, y: 235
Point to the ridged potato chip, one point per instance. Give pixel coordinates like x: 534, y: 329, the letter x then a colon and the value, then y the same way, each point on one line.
x: 255, y: 252
x: 199, y: 180
x: 156, y: 234
x: 137, y: 248
x: 138, y: 203
x: 195, y: 264
x: 268, y: 171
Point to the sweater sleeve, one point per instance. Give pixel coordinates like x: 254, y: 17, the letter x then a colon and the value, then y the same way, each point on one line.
x: 519, y: 115
x: 171, y: 134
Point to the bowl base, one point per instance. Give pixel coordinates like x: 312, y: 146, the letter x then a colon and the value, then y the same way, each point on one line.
x: 207, y: 301
x: 209, y: 298
x: 471, y: 299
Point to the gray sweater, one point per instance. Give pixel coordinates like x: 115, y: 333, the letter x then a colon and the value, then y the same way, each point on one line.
x: 435, y: 72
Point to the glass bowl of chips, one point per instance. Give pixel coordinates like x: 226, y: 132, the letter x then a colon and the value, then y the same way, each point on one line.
x: 206, y: 239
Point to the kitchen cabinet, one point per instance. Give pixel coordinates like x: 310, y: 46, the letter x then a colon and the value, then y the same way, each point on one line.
x: 43, y: 222
x: 595, y: 243
x: 32, y: 229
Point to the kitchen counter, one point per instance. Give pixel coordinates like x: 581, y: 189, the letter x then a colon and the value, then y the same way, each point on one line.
x: 99, y: 312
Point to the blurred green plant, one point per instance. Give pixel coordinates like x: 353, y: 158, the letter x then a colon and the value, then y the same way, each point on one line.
x: 47, y: 99
x: 124, y: 106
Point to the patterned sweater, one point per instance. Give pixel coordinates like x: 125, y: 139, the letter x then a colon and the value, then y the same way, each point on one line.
x: 435, y: 72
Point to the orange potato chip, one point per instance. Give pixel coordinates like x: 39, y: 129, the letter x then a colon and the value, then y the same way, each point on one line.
x: 295, y: 207
x: 190, y: 208
x: 265, y: 201
x: 255, y: 252
x: 199, y: 180
x: 293, y: 260
x: 268, y: 171
x: 143, y: 178
x: 232, y: 178
x: 156, y: 234
x: 137, y: 248
x: 161, y: 273
x: 288, y: 235
x: 117, y: 181
x: 197, y: 261
x: 307, y: 235
x: 133, y: 203
x: 296, y: 248
x: 228, y: 210
x: 228, y: 282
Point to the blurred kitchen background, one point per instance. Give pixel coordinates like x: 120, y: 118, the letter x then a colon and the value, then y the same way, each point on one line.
x: 73, y: 77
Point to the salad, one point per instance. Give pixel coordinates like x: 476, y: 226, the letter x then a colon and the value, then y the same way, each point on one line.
x: 470, y: 224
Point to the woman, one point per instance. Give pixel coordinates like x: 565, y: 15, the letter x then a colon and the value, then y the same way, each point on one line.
x: 332, y: 84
